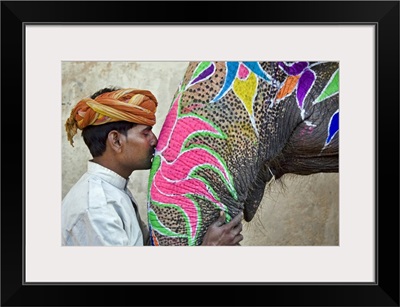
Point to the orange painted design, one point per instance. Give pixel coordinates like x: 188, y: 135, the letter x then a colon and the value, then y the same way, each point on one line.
x: 288, y: 86
x: 155, y: 240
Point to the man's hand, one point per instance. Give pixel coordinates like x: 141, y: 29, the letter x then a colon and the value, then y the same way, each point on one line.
x: 220, y: 233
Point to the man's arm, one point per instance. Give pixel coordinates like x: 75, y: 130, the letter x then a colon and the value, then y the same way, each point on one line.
x: 220, y: 233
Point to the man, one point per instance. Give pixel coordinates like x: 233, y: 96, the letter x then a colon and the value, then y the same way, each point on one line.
x: 99, y: 209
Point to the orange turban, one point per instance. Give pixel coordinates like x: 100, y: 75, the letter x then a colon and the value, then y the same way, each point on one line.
x: 132, y: 105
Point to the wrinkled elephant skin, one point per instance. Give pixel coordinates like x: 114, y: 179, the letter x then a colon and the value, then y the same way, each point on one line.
x: 231, y: 128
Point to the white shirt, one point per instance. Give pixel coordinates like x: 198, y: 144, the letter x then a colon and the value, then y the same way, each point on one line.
x: 98, y: 210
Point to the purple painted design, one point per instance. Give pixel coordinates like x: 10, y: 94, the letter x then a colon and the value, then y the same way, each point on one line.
x: 303, y: 86
x: 293, y: 69
x: 206, y: 73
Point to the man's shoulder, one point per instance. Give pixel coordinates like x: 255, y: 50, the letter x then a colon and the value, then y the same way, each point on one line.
x: 91, y: 192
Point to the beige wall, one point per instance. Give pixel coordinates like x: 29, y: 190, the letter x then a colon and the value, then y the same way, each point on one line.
x: 302, y: 211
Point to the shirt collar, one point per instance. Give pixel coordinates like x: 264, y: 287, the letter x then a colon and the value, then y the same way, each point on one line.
x: 107, y: 175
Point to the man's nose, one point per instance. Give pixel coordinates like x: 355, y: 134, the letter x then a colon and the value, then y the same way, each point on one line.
x: 154, y: 141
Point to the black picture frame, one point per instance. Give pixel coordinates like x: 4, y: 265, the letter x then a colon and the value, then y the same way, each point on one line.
x: 384, y: 292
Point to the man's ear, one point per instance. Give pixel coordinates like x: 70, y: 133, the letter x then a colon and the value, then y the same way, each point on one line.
x: 114, y: 140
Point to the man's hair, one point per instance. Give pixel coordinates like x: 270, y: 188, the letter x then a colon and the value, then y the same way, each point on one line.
x: 95, y: 137
x: 105, y: 90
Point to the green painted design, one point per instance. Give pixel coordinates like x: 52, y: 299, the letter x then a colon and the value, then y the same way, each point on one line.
x: 227, y: 183
x: 163, y: 230
x: 200, y: 68
x: 331, y: 88
x: 154, y: 168
x: 221, y: 135
x: 159, y: 227
x: 192, y: 240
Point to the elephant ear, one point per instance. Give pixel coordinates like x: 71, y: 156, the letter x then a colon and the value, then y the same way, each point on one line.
x: 256, y: 192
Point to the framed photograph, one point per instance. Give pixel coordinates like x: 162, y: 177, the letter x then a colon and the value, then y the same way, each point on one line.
x: 45, y: 45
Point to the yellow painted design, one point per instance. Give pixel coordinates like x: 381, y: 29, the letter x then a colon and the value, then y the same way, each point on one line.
x: 246, y: 91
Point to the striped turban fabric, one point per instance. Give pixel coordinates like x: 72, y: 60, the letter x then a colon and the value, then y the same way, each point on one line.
x: 130, y: 104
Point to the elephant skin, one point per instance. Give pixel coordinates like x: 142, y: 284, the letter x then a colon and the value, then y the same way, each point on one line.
x: 231, y: 128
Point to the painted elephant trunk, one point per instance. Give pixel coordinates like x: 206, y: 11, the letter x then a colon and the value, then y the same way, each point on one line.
x: 232, y: 126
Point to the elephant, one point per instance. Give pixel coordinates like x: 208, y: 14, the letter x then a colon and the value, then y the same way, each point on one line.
x: 231, y: 128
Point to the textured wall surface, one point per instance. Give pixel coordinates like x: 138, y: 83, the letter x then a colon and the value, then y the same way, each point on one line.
x: 296, y: 210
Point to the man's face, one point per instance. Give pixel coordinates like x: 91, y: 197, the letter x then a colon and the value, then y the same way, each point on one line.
x: 139, y: 148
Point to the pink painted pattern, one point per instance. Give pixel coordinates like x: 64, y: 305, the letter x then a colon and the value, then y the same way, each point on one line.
x: 243, y: 72
x: 176, y: 177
